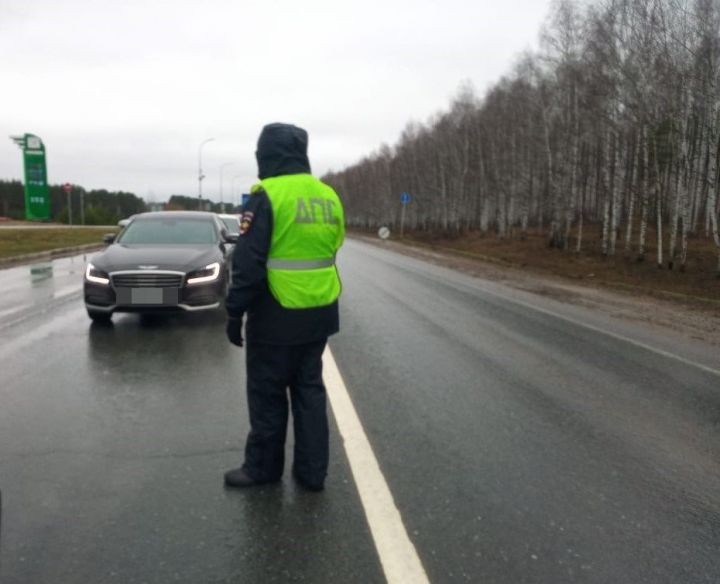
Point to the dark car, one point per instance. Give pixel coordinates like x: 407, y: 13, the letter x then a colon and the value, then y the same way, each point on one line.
x: 161, y: 262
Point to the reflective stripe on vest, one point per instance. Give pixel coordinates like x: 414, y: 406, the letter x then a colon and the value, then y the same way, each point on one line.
x: 277, y: 264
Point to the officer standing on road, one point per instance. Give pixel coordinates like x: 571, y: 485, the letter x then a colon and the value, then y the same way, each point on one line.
x: 285, y: 279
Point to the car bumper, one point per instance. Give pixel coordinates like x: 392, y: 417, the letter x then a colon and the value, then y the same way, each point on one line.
x: 195, y: 298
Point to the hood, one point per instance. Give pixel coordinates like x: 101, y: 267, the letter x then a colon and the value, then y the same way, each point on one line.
x: 181, y: 258
x: 282, y: 149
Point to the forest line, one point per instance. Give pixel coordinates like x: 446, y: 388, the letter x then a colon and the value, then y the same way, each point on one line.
x: 614, y: 122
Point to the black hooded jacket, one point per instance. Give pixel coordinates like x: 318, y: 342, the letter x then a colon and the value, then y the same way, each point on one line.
x: 281, y: 150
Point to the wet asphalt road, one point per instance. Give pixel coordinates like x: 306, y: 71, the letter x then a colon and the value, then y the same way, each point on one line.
x: 520, y: 444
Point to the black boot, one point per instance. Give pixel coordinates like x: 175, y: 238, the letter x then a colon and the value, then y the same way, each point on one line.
x: 315, y: 486
x: 239, y: 479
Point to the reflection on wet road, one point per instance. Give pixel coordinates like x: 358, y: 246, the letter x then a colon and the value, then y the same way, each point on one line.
x: 113, y: 442
x: 520, y: 442
x: 30, y: 289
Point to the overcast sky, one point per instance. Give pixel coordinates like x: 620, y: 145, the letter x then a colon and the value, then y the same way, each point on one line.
x: 123, y: 92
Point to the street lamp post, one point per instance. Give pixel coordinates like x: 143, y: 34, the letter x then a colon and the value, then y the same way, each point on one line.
x: 222, y: 167
x: 201, y: 176
x: 237, y: 176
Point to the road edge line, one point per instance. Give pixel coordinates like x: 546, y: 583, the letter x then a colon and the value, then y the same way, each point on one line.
x: 592, y: 327
x: 507, y: 298
x: 398, y: 556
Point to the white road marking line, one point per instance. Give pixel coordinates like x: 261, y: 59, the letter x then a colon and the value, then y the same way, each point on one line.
x: 14, y: 310
x: 596, y: 329
x: 399, y: 559
x: 608, y: 333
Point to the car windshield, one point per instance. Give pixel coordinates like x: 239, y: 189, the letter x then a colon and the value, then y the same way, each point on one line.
x: 169, y: 230
x: 231, y: 223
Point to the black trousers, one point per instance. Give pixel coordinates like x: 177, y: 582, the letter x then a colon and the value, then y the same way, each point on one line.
x: 271, y: 371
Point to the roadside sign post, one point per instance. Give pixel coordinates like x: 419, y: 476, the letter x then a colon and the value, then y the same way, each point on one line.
x: 67, y: 187
x: 37, y: 192
x: 405, y: 198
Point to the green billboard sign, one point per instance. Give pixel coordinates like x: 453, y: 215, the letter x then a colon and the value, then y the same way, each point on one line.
x: 37, y: 193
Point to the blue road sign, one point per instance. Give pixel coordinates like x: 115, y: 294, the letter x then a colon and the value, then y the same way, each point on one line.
x: 405, y: 198
x: 245, y: 198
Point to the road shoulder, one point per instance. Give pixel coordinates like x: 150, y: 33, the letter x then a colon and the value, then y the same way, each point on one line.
x: 697, y: 320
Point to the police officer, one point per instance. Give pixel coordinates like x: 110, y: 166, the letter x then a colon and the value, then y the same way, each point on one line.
x: 284, y: 278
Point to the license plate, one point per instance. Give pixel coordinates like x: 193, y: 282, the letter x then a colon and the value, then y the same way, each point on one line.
x: 146, y: 296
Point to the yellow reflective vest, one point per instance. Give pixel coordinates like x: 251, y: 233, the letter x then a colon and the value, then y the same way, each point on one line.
x: 308, y: 230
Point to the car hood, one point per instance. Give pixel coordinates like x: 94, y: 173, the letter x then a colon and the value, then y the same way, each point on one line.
x: 182, y: 258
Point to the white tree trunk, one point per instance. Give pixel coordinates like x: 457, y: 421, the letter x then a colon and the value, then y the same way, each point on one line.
x: 631, y: 205
x: 714, y: 227
x: 644, y: 194
x: 614, y: 179
x: 674, y: 221
x: 659, y: 232
x: 606, y: 191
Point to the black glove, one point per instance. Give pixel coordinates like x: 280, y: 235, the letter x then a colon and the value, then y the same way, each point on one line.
x: 234, y: 331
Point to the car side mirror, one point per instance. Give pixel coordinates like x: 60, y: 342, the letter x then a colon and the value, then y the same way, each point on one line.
x: 108, y: 238
x: 231, y: 237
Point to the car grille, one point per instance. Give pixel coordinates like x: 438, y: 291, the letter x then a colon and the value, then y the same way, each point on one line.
x: 147, y: 280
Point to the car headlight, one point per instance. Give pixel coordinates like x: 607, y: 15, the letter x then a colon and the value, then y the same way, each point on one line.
x: 92, y: 274
x: 209, y: 273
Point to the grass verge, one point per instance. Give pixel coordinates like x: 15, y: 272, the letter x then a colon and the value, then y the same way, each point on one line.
x: 15, y: 242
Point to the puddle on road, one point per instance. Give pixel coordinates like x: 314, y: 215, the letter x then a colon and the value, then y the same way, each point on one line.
x: 41, y: 272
